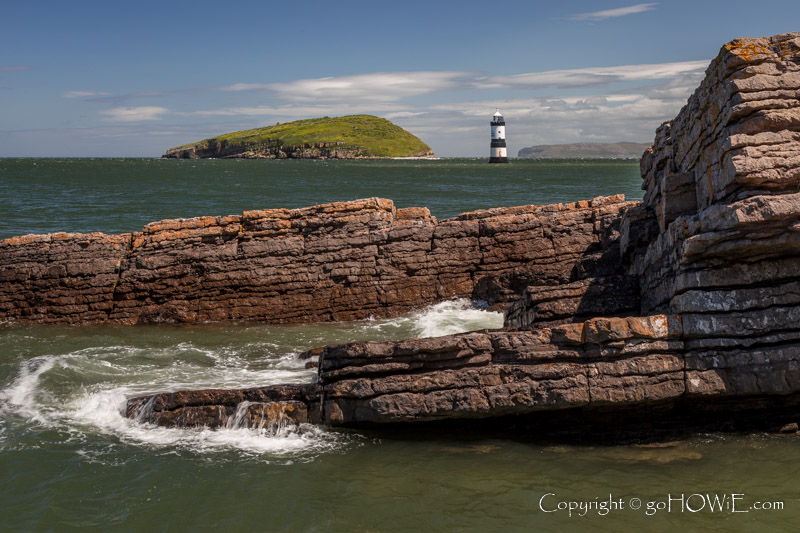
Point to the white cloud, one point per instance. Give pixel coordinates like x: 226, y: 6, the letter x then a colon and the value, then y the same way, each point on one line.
x: 595, y: 75
x: 610, y: 117
x: 619, y: 103
x: 374, y: 87
x: 403, y: 114
x: 134, y: 114
x: 613, y: 13
x: 616, y: 103
x: 81, y: 94
x: 301, y: 110
x: 236, y: 87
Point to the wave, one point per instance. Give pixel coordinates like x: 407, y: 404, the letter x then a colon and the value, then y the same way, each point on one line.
x: 83, y: 391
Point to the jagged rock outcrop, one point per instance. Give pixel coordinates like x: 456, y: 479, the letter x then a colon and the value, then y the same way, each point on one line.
x: 346, y: 260
x: 713, y: 253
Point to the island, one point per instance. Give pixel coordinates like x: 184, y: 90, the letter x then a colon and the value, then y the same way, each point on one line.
x: 620, y: 150
x: 349, y: 137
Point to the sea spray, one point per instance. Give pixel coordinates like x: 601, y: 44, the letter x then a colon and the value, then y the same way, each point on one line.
x: 80, y: 385
x: 454, y: 316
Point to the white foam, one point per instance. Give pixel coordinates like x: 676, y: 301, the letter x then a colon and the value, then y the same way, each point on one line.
x: 102, y: 411
x: 84, y: 392
x: 116, y: 373
x: 454, y: 316
x: 445, y: 318
x: 21, y: 395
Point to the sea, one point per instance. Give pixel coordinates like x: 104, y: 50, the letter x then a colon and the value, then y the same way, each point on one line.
x: 69, y: 460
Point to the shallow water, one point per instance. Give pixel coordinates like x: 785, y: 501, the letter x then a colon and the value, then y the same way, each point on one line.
x: 70, y: 461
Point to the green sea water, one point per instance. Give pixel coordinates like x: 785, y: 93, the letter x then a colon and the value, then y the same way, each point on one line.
x: 120, y: 195
x: 69, y: 461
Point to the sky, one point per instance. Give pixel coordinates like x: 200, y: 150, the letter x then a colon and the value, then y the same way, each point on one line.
x: 112, y: 79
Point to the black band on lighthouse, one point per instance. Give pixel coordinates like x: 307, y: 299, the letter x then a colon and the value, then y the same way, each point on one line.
x: 497, y: 143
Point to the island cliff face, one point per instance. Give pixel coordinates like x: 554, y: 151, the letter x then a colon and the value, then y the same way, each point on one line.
x: 685, y: 306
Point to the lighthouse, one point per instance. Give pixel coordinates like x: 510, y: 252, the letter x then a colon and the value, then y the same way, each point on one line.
x: 498, y: 153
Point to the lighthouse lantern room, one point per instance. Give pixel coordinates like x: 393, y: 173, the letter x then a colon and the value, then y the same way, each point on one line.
x: 498, y: 153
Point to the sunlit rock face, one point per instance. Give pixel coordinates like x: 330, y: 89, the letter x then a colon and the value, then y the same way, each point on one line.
x: 338, y: 261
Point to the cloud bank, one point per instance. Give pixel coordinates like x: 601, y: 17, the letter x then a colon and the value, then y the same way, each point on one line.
x: 447, y: 109
x: 134, y: 114
x: 374, y: 87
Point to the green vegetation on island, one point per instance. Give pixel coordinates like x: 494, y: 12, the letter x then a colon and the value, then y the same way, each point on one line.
x: 620, y: 150
x: 349, y: 137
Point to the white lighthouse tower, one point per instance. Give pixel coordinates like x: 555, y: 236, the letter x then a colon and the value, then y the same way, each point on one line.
x: 498, y: 152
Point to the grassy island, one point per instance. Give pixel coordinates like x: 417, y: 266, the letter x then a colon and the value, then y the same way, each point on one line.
x: 349, y: 137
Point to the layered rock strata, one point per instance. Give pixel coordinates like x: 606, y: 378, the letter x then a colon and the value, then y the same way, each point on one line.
x: 706, y: 285
x: 339, y: 261
x: 721, y: 184
x: 602, y: 371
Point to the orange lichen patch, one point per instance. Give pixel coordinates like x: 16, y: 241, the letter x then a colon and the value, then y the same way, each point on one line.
x: 786, y: 51
x: 186, y: 234
x: 570, y: 334
x: 257, y: 214
x: 648, y: 327
x: 24, y: 239
x: 750, y: 49
x: 539, y: 209
x: 333, y: 208
x: 95, y: 237
x: 602, y: 330
x: 179, y: 224
x: 367, y: 204
x: 137, y: 240
x: 413, y: 213
x: 747, y: 49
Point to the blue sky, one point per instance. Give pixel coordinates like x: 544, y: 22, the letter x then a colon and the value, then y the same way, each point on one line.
x: 88, y: 78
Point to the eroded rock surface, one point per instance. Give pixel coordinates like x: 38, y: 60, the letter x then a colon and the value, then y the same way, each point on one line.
x: 339, y: 261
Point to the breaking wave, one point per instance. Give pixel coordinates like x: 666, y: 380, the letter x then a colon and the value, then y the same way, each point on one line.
x: 82, y: 390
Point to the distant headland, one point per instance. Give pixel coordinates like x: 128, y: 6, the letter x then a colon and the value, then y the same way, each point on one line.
x: 620, y: 150
x: 349, y: 137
